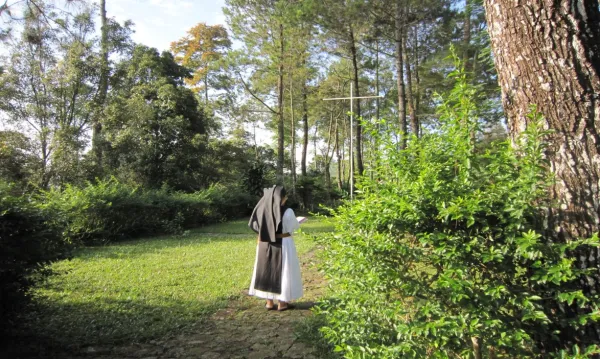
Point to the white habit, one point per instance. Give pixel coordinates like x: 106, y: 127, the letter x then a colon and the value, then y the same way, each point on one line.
x: 291, y: 280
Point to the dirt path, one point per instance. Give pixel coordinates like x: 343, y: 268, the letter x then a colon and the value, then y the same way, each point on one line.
x: 244, y: 329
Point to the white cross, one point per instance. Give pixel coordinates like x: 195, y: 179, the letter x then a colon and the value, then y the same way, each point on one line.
x: 351, y: 98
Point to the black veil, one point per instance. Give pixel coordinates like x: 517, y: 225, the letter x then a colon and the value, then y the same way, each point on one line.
x: 268, y: 213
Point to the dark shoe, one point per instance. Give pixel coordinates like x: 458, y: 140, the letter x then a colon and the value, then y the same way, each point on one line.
x: 274, y: 307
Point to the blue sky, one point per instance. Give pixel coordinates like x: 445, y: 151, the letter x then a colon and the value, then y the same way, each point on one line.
x: 159, y: 22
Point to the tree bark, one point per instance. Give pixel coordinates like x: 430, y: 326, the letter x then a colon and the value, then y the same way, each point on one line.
x: 337, y: 152
x: 305, y: 125
x: 399, y: 26
x: 206, y: 86
x: 359, y: 158
x: 327, y: 158
x: 416, y: 74
x: 466, y: 56
x: 377, y: 79
x: 547, y: 53
x: 280, y: 125
x: 414, y: 125
x: 293, y: 137
x: 102, y: 89
x: 476, y: 343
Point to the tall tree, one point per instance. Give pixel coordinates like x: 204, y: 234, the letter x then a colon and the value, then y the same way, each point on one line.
x: 261, y: 26
x: 154, y: 124
x: 399, y: 24
x: 563, y: 81
x: 345, y: 24
x: 102, y: 88
x: 547, y: 54
x: 201, y: 49
x: 46, y: 90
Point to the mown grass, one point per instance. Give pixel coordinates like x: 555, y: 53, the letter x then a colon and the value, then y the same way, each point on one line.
x: 144, y: 289
x: 312, y: 225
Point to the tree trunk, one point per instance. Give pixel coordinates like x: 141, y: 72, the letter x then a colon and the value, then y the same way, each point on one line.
x: 476, y: 343
x: 547, y: 53
x: 337, y: 152
x: 315, y: 138
x: 280, y: 129
x: 466, y: 56
x: 549, y: 56
x: 102, y: 89
x: 417, y: 79
x: 305, y: 124
x: 206, y: 86
x: 377, y: 79
x: 293, y: 137
x: 414, y: 125
x: 400, y: 73
x: 327, y: 158
x: 358, y: 142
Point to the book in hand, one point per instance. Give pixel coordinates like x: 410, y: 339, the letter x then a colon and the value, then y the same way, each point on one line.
x: 301, y: 219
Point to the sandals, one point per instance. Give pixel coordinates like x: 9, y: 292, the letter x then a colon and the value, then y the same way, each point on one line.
x: 274, y: 307
x: 289, y: 306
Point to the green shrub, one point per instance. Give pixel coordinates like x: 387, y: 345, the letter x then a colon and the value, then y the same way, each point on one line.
x: 445, y: 248
x: 227, y: 202
x: 27, y: 245
x: 112, y: 211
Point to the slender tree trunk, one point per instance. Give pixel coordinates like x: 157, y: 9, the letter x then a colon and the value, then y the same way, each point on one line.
x: 466, y: 56
x: 305, y: 125
x: 476, y: 343
x: 103, y: 87
x: 414, y: 125
x: 417, y: 79
x: 293, y: 137
x: 327, y: 158
x: 315, y: 138
x: 45, y: 178
x: 377, y: 78
x: 337, y: 152
x: 206, y: 87
x: 399, y: 26
x: 345, y: 174
x: 280, y: 125
x: 547, y: 53
x: 359, y: 157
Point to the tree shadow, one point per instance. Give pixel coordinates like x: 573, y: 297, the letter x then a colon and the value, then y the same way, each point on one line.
x: 61, y: 330
x: 134, y: 248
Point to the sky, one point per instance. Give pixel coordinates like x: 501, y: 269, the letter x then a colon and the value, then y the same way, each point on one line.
x: 159, y: 22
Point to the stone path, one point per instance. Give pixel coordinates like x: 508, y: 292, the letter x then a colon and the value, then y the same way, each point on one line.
x: 244, y: 329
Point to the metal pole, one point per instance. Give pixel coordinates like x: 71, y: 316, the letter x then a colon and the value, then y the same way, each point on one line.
x: 351, y: 98
x: 351, y: 147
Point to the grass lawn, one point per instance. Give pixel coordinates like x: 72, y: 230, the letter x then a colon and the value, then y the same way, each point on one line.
x: 143, y: 289
x: 240, y: 226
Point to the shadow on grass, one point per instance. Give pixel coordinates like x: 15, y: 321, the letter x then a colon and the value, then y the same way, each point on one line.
x: 142, y: 246
x: 58, y: 330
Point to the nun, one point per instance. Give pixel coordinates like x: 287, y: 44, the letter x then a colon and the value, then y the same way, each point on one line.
x: 276, y: 268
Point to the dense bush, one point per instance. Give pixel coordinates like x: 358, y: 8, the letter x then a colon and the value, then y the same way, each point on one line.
x: 27, y: 245
x: 443, y: 255
x: 109, y: 210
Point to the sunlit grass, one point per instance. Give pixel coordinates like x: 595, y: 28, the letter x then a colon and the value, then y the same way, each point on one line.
x: 147, y: 288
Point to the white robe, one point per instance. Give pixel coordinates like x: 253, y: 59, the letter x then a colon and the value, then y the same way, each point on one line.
x: 291, y: 280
